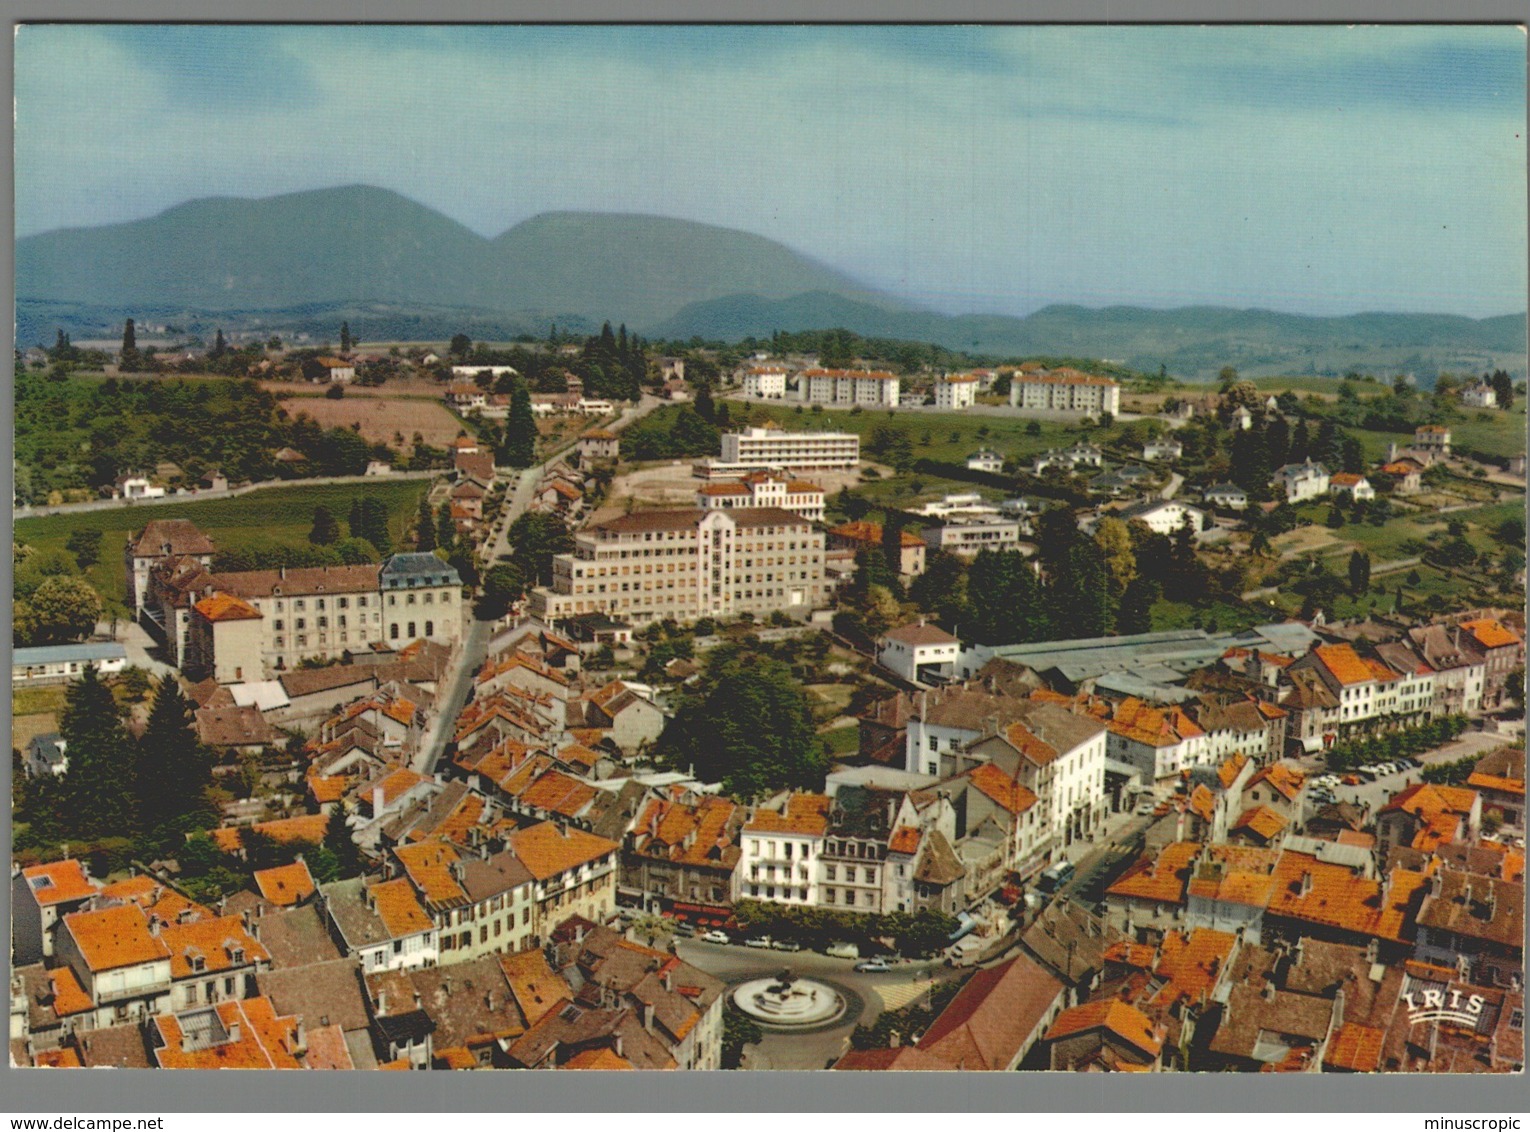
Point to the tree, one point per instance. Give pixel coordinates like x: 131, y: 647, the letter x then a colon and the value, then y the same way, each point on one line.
x: 1056, y: 532
x: 220, y: 346
x: 1115, y: 542
x: 59, y: 610
x: 1250, y: 456
x: 749, y: 726
x: 174, y: 769
x: 1004, y: 603
x: 369, y: 520
x: 130, y: 360
x: 942, y: 588
x: 1359, y: 572
x: 460, y: 347
x: 1226, y: 379
x: 739, y: 1030
x: 1135, y: 614
x: 1503, y: 389
x: 1079, y: 596
x: 446, y: 529
x: 338, y: 840
x: 537, y: 537
x: 425, y: 526
x: 346, y: 341
x: 519, y: 449
x: 85, y: 544
x: 706, y: 408
x: 99, y: 786
x: 1351, y: 454
x: 503, y: 585
x: 325, y: 530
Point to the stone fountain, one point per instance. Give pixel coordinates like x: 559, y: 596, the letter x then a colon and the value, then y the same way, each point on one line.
x: 788, y: 1001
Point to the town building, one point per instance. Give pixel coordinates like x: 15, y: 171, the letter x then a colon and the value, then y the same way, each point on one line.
x: 1165, y: 448
x: 921, y: 654
x: 136, y: 485
x: 764, y: 489
x: 876, y: 388
x: 780, y: 851
x: 159, y: 540
x: 765, y: 383
x: 1303, y: 481
x: 967, y: 537
x: 247, y: 625
x: 60, y: 664
x: 985, y: 460
x: 771, y: 448
x: 688, y: 564
x: 1348, y: 485
x: 598, y: 444
x: 1065, y: 391
x: 682, y: 855
x: 863, y: 535
x: 1432, y: 439
x: 956, y: 391
x: 1165, y: 516
x: 1479, y: 395
x: 1229, y: 496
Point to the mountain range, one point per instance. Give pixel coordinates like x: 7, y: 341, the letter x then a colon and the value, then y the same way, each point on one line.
x: 396, y: 269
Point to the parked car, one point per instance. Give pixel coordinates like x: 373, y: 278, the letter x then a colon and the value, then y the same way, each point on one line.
x: 1055, y: 876
x: 715, y: 936
x: 786, y: 945
x: 842, y: 951
x: 873, y: 965
x: 758, y: 941
x: 1145, y: 807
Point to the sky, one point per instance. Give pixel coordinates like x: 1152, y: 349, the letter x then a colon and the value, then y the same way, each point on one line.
x: 1318, y: 170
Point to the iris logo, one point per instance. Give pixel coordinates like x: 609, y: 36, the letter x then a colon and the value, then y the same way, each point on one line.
x: 1443, y: 1006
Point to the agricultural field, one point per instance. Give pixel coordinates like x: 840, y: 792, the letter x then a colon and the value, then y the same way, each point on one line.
x: 388, y: 419
x: 271, y: 517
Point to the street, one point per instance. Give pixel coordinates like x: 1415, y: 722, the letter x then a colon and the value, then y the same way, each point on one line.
x: 1376, y: 794
x: 456, y: 684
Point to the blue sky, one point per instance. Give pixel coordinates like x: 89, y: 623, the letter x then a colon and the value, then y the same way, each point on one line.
x: 1319, y: 170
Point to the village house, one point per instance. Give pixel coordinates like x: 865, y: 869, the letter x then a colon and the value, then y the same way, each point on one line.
x: 1302, y: 481
x: 863, y: 535
x: 920, y: 654
x: 1348, y: 485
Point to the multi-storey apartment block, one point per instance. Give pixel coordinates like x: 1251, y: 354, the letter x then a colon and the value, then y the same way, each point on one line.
x: 769, y: 448
x: 765, y: 489
x: 956, y: 391
x: 1065, y: 391
x: 849, y: 387
x: 689, y: 564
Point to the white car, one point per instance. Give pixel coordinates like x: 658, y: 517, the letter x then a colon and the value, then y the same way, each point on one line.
x: 758, y: 941
x: 715, y: 937
x: 1145, y: 807
x: 873, y: 965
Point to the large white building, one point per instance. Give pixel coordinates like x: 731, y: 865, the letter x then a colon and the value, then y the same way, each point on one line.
x: 919, y: 653
x: 1065, y: 391
x: 1165, y: 516
x: 848, y: 387
x: 956, y: 391
x: 771, y: 447
x: 688, y: 564
x: 968, y: 536
x: 765, y: 383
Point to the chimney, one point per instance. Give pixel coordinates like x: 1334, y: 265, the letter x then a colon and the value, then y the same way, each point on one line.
x: 669, y: 980
x: 1267, y: 992
x: 233, y: 1031
x: 382, y: 1003
x: 648, y: 1016
x: 1306, y: 883
x: 300, y: 1037
x: 281, y: 572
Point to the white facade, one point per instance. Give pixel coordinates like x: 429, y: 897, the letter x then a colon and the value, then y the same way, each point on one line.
x: 763, y: 489
x: 973, y: 535
x: 1351, y: 487
x: 848, y: 387
x: 986, y: 460
x: 1479, y: 396
x: 764, y: 448
x: 779, y: 866
x: 1302, y: 481
x: 139, y: 487
x: 956, y: 391
x: 1065, y: 392
x: 905, y: 651
x: 765, y: 383
x: 1163, y: 450
x: 1167, y: 516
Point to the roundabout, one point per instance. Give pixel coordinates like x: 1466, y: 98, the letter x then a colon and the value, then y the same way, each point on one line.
x: 787, y: 1002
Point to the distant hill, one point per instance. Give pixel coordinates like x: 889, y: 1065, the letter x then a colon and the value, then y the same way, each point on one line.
x: 1190, y: 341
x: 398, y: 270
x: 367, y: 245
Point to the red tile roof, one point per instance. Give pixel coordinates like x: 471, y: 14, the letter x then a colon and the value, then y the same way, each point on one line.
x: 59, y: 882
x: 285, y: 885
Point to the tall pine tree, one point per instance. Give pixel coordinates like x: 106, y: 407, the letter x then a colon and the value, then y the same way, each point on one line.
x: 425, y: 526
x: 519, y: 449
x: 100, y: 786
x: 446, y: 530
x: 174, y: 769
